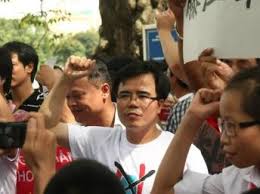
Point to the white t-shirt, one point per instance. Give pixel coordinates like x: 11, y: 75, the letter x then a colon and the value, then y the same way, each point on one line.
x: 110, y: 145
x: 117, y: 122
x: 232, y: 180
x: 8, y: 175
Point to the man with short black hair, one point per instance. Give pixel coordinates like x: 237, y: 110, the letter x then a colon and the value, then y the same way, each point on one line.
x: 24, y: 99
x: 134, y: 153
x: 25, y: 63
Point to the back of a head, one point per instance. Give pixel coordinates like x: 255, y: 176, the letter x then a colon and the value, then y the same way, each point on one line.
x: 137, y: 68
x: 6, y: 68
x: 84, y: 177
x: 26, y: 54
x: 247, y: 82
x: 253, y: 191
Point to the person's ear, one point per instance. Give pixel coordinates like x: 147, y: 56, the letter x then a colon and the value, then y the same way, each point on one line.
x: 29, y: 68
x: 105, y: 88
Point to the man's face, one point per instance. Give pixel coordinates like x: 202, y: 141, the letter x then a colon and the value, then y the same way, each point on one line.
x: 85, y: 100
x: 20, y: 74
x: 137, y: 111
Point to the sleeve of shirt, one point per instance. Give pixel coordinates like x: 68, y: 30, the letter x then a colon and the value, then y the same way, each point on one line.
x: 8, y: 175
x: 197, y: 183
x: 84, y: 141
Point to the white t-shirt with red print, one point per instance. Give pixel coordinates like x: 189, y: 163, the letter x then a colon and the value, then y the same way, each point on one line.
x: 110, y: 145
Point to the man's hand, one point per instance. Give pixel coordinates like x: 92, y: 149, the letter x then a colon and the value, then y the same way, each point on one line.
x: 40, y: 145
x: 177, y: 7
x: 78, y: 67
x: 215, y: 72
x: 39, y: 151
x: 205, y: 104
x: 165, y: 20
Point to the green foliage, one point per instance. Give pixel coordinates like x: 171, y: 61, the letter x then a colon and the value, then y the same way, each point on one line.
x: 34, y: 30
x: 81, y: 44
x: 90, y: 41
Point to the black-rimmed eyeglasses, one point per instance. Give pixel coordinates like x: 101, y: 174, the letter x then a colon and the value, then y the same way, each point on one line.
x: 230, y: 127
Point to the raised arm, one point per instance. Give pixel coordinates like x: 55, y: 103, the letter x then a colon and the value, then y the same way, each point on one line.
x: 52, y: 106
x: 165, y: 22
x: 204, y: 104
x: 177, y: 7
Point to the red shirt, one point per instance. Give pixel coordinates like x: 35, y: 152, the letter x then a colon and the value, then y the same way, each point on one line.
x: 24, y: 174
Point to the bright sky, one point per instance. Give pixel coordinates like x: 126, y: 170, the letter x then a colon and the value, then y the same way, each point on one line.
x: 85, y: 13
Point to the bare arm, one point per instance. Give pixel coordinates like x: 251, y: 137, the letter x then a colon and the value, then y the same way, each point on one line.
x: 48, y: 77
x: 40, y: 152
x: 205, y: 103
x: 52, y: 106
x: 165, y: 22
x: 5, y: 111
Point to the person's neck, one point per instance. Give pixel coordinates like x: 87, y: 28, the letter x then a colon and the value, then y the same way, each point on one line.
x: 105, y: 118
x: 21, y: 93
x: 139, y: 136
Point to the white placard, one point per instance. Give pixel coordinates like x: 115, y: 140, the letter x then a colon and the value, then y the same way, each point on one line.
x: 231, y: 27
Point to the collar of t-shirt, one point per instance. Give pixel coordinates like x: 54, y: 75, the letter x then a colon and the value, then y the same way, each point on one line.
x: 32, y: 103
x: 251, y: 175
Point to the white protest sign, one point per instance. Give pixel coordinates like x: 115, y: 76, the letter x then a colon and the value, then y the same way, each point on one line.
x: 231, y: 27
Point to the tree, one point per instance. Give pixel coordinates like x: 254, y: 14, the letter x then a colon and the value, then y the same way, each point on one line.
x: 89, y: 39
x: 122, y: 21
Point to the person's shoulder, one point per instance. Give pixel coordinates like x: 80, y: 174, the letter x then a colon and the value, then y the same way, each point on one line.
x: 95, y: 130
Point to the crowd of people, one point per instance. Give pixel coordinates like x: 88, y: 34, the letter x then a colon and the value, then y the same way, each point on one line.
x: 92, y: 131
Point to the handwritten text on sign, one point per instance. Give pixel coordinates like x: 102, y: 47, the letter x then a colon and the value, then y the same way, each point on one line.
x: 229, y: 26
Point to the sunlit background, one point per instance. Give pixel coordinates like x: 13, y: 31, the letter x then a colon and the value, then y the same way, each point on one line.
x: 84, y: 13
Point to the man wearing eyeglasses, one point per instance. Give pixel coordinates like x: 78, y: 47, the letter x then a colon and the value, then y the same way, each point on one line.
x: 134, y: 153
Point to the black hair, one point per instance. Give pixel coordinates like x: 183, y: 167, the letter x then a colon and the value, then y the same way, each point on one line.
x: 6, y: 68
x: 114, y: 65
x: 248, y: 83
x: 136, y: 68
x: 84, y: 176
x: 26, y: 54
x: 253, y: 191
x: 100, y: 74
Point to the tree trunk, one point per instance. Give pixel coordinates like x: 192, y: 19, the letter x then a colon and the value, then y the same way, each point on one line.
x: 122, y: 21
